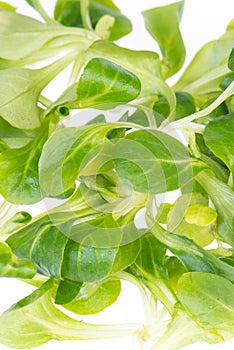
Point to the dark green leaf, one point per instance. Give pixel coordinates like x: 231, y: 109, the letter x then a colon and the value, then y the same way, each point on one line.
x: 163, y: 24
x: 95, y: 297
x: 105, y: 82
x: 227, y: 80
x: 32, y: 3
x: 185, y: 104
x: 231, y: 60
x: 68, y: 13
x: 208, y: 157
x: 98, y: 248
x: 144, y: 64
x: 218, y: 137
x: 67, y: 291
x: 193, y: 257
x: 153, y: 162
x: 162, y: 107
x: 72, y: 145
x: 150, y: 263
x: 175, y: 270
x: 151, y: 258
x: 88, y: 251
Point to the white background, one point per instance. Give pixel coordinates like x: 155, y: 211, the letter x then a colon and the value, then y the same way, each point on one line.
x: 203, y: 20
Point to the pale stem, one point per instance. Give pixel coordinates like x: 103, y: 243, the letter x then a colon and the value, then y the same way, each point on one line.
x: 43, y: 13
x: 145, y: 300
x: 77, y: 66
x: 45, y: 101
x: 184, y: 122
x: 84, y: 6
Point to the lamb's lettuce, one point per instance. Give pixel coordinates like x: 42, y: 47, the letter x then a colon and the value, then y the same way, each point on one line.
x: 167, y: 34
x: 137, y: 140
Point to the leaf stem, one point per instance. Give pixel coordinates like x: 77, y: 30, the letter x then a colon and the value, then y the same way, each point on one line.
x: 45, y: 101
x: 184, y: 122
x: 7, y: 210
x: 43, y: 13
x: 145, y: 300
x: 77, y: 65
x: 180, y: 332
x: 84, y: 7
x: 150, y: 116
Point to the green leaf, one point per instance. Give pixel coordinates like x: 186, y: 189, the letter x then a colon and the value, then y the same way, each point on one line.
x: 207, y: 69
x: 175, y: 270
x: 209, y: 298
x: 67, y: 291
x: 182, y: 331
x: 95, y: 297
x: 35, y: 320
x: 32, y: 3
x: 215, y: 163
x: 72, y: 145
x: 218, y: 137
x: 68, y: 13
x: 19, y: 179
x: 231, y: 60
x: 105, y: 82
x: 185, y: 104
x: 43, y: 243
x: 20, y: 89
x: 17, y: 221
x: 163, y: 24
x: 98, y: 248
x: 5, y: 6
x: 150, y: 264
x: 222, y: 196
x: 10, y: 266
x: 87, y: 251
x: 162, y: 212
x: 227, y: 80
x: 200, y: 215
x: 20, y: 35
x: 152, y: 256
x: 193, y: 257
x: 191, y: 217
x: 13, y: 137
x: 144, y: 64
x: 153, y: 162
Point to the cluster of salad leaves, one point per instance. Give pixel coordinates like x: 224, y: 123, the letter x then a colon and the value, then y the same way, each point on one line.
x: 103, y: 174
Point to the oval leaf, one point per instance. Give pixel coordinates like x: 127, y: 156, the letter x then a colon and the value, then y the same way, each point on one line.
x: 105, y: 82
x: 209, y: 298
x: 68, y: 13
x: 218, y: 137
x: 153, y: 162
x: 163, y: 24
x: 95, y: 297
